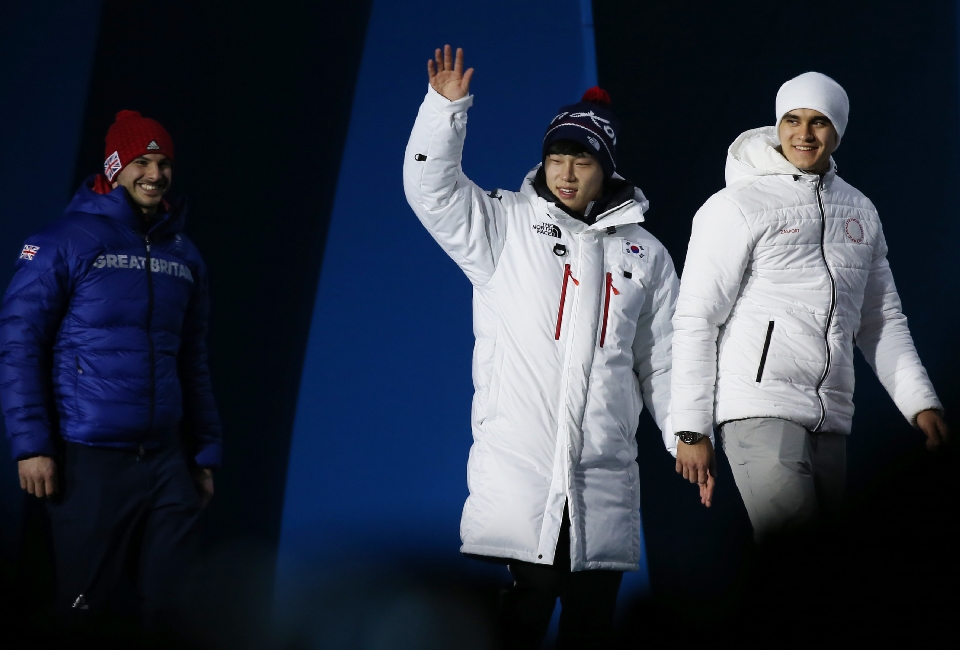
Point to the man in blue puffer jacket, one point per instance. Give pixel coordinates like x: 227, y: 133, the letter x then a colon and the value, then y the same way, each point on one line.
x: 104, y: 379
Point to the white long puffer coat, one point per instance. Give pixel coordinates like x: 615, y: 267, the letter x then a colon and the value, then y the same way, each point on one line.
x: 573, y: 328
x: 785, y: 273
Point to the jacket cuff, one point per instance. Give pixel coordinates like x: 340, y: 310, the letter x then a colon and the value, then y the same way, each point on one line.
x: 696, y: 421
x: 209, y: 455
x: 441, y: 103
x: 27, y: 446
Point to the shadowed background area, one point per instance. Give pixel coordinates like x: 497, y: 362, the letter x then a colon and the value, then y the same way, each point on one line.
x: 368, y: 361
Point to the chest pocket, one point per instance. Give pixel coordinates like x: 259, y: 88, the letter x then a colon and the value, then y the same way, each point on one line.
x: 625, y: 290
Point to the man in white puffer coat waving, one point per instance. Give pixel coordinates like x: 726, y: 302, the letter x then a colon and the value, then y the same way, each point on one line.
x: 786, y: 271
x: 573, y: 303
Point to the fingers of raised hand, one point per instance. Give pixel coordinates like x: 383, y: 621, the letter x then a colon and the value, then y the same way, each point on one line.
x: 458, y: 62
x: 447, y: 58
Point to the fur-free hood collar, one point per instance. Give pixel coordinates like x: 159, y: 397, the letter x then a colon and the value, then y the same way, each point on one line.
x: 630, y: 211
x: 754, y: 153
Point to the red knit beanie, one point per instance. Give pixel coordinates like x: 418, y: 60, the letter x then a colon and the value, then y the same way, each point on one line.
x: 130, y: 137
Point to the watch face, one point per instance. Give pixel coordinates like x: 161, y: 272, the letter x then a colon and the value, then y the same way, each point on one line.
x: 690, y: 437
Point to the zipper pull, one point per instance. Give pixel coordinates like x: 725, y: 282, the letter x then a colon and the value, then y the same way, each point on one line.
x: 616, y: 292
x: 146, y: 240
x: 575, y: 281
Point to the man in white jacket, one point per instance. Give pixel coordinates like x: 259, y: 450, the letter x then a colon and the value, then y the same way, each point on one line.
x: 786, y: 271
x: 573, y: 303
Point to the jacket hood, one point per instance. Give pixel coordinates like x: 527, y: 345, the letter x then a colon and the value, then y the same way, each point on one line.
x: 754, y: 153
x: 114, y: 205
x: 633, y: 213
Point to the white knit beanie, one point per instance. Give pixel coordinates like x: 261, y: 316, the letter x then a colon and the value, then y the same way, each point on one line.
x: 818, y: 92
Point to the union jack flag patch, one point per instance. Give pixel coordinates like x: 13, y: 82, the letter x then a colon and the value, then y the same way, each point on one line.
x: 112, y: 165
x: 28, y: 252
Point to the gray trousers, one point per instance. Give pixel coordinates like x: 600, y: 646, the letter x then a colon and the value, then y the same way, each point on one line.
x: 787, y: 476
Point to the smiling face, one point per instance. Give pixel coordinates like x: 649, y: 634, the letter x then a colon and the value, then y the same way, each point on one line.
x: 574, y: 179
x: 146, y: 179
x: 807, y: 138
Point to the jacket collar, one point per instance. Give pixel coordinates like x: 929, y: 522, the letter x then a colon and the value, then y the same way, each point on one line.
x: 115, y: 205
x: 754, y: 154
x: 629, y: 210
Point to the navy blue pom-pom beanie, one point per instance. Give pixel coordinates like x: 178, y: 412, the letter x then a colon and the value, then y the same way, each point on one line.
x: 590, y: 123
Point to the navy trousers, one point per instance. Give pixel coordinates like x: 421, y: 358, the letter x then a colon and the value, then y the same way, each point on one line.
x: 122, y: 516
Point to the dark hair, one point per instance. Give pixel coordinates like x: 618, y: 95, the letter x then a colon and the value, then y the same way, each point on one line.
x: 567, y: 148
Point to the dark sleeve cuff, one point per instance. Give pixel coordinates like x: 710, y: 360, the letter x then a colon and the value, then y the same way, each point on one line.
x: 26, y: 446
x: 209, y: 455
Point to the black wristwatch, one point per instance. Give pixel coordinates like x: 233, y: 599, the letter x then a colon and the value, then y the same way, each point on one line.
x: 689, y: 437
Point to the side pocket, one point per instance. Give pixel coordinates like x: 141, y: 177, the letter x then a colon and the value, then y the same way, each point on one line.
x: 76, y: 380
x: 766, y: 348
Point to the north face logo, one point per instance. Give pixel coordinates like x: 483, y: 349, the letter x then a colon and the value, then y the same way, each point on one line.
x: 547, y: 229
x: 153, y: 146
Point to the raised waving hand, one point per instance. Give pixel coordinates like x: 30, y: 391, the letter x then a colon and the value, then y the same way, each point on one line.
x: 446, y: 74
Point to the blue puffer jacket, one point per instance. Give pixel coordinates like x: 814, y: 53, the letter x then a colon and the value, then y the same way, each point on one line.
x: 103, y: 334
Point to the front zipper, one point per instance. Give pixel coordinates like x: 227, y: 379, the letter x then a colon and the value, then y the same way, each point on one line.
x: 567, y: 275
x: 606, y: 306
x: 766, y: 348
x: 153, y: 379
x: 833, y: 302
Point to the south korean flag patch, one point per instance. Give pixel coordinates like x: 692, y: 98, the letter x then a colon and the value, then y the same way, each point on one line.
x: 636, y: 250
x: 28, y: 252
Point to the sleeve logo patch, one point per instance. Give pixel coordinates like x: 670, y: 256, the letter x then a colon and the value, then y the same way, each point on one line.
x: 28, y: 252
x: 854, y: 230
x: 548, y: 229
x: 112, y: 165
x: 637, y: 250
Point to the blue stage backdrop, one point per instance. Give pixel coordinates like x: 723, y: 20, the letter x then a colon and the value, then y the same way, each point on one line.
x: 46, y: 55
x: 382, y: 432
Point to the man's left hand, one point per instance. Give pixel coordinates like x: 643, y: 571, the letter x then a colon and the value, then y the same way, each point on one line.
x: 696, y: 464
x: 933, y: 426
x: 203, y: 477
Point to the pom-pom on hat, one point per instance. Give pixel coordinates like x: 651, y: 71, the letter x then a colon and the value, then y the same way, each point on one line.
x: 130, y: 137
x: 590, y: 123
x: 818, y: 92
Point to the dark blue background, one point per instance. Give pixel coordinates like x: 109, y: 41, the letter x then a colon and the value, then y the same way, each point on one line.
x: 292, y: 119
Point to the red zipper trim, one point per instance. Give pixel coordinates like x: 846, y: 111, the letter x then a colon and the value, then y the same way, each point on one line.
x: 563, y: 297
x: 606, y: 307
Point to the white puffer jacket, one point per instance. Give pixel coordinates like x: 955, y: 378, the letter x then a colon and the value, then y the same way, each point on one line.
x: 785, y: 272
x: 573, y: 327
